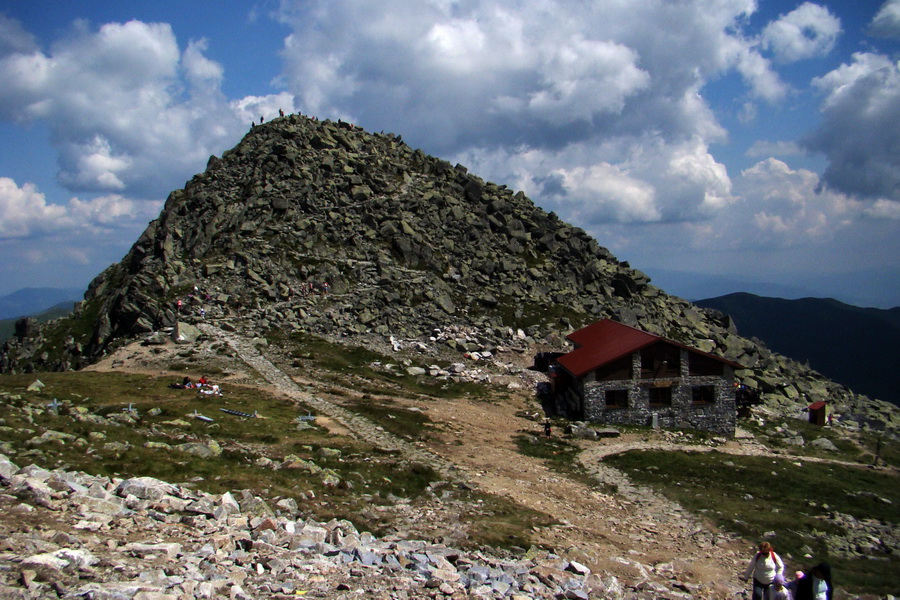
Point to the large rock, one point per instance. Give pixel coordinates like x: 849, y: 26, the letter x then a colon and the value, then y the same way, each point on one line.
x: 185, y: 333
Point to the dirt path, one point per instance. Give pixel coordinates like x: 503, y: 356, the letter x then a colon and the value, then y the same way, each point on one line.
x: 634, y: 533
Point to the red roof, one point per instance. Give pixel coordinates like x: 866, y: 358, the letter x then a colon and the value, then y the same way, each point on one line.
x: 817, y: 405
x: 605, y: 341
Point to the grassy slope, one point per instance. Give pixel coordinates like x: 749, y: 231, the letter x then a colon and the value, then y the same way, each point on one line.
x: 752, y: 495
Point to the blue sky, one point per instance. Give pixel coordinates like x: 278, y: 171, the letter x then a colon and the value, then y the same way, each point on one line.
x: 717, y: 145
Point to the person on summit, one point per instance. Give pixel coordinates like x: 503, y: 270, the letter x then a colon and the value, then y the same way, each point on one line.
x: 764, y: 568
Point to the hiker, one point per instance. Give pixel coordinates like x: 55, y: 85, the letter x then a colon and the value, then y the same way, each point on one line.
x: 764, y: 567
x: 814, y: 584
x: 547, y: 430
x: 280, y: 113
x: 260, y: 120
x: 779, y: 589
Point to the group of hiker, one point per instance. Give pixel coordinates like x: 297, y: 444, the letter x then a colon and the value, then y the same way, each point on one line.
x: 766, y: 570
x: 193, y: 303
x: 202, y: 385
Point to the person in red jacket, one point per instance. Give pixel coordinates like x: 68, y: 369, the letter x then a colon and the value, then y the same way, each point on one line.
x: 765, y: 566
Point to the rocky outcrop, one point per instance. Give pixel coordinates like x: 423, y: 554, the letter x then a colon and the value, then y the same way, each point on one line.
x: 321, y: 227
x: 72, y: 535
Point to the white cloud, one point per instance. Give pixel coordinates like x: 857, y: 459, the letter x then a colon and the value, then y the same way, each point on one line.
x: 886, y: 23
x: 95, y: 166
x: 860, y: 127
x: 200, y: 71
x: 605, y: 193
x: 251, y: 108
x: 764, y: 82
x: 807, y: 31
x: 789, y: 206
x: 539, y: 71
x: 129, y: 111
x: 25, y: 212
x: 884, y: 210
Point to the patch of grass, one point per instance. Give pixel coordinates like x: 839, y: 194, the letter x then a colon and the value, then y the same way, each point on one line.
x: 557, y: 454
x: 399, y: 421
x: 887, y: 449
x: 860, y: 450
x: 108, y: 442
x: 753, y: 495
x: 501, y: 523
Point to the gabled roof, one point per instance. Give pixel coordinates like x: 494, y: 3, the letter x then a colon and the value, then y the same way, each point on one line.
x: 605, y: 341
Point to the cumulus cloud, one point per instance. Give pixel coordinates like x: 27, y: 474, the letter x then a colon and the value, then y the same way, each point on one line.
x: 788, y: 206
x: 860, y: 129
x: 25, y: 212
x: 594, y: 109
x: 886, y: 23
x: 537, y: 72
x: 764, y: 82
x: 129, y: 111
x: 807, y: 31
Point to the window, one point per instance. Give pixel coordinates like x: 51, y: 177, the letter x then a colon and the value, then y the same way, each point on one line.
x: 699, y: 364
x: 660, y: 360
x: 616, y: 398
x: 703, y: 394
x: 660, y: 396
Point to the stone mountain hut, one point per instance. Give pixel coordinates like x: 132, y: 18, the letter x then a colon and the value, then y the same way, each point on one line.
x: 621, y: 375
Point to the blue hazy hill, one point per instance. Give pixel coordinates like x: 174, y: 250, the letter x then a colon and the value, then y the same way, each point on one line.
x: 31, y: 301
x: 852, y: 345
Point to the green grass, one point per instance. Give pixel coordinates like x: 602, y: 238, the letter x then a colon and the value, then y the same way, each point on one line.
x: 92, y: 408
x: 557, y: 454
x: 399, y: 421
x: 751, y: 495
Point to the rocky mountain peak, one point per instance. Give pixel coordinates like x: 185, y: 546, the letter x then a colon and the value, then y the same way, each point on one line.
x: 322, y: 227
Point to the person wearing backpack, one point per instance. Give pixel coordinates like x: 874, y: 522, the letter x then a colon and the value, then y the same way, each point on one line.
x: 764, y: 567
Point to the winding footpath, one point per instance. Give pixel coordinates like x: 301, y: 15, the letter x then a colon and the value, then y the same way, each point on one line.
x: 360, y: 427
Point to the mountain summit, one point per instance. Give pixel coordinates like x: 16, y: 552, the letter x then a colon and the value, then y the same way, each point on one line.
x: 322, y: 227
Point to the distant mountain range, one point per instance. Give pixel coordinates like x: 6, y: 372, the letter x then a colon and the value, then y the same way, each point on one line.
x: 851, y: 345
x: 31, y: 301
x: 42, y: 303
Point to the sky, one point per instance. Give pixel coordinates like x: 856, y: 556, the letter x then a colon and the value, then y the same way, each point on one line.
x: 716, y: 145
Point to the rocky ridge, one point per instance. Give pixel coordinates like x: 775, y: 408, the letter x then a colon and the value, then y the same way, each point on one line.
x: 405, y: 243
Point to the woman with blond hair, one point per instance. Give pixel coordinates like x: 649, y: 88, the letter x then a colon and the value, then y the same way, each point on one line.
x: 764, y: 567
